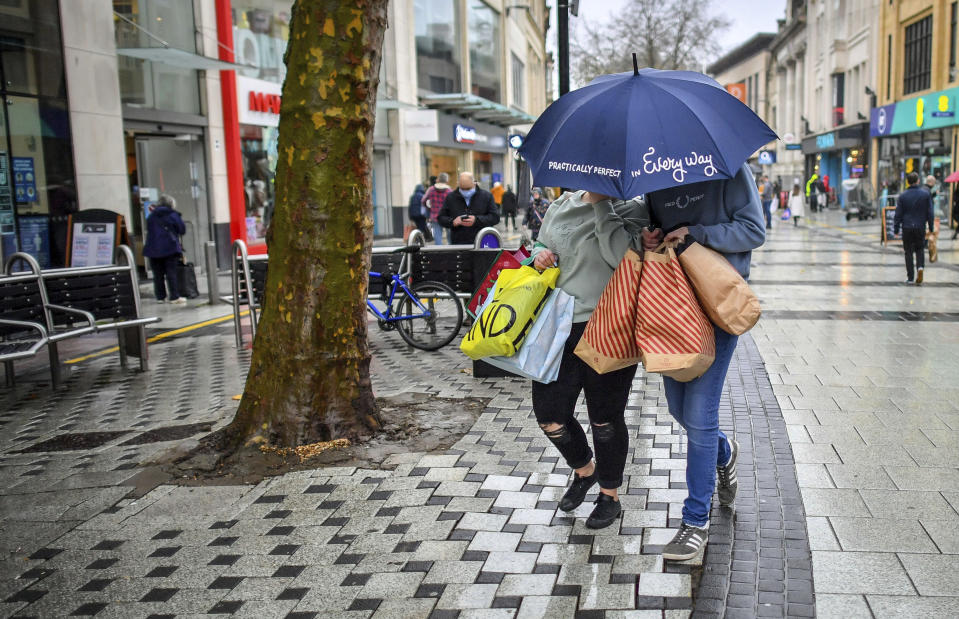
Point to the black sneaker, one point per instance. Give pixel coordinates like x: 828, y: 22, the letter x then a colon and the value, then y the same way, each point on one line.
x: 607, y: 510
x: 687, y: 543
x: 727, y: 483
x: 576, y: 493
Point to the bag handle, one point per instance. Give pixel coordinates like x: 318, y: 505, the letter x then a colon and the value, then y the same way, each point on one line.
x: 670, y: 244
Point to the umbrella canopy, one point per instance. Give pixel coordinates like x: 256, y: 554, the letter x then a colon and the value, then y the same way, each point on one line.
x: 627, y: 134
x: 952, y: 178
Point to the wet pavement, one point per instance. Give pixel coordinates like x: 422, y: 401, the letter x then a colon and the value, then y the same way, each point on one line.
x: 849, y: 474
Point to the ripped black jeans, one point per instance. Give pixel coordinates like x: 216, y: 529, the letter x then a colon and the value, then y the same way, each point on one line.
x: 606, y: 396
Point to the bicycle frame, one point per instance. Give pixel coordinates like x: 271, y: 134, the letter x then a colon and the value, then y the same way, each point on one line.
x: 398, y: 284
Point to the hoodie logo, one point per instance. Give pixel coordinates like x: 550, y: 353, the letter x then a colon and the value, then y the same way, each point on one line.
x: 684, y: 200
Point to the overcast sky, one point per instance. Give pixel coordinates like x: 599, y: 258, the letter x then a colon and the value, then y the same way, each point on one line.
x: 748, y: 17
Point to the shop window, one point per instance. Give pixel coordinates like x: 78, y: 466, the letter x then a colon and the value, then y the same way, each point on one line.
x: 518, y: 70
x: 952, y: 41
x: 260, y: 34
x: 918, y: 56
x: 438, y: 58
x: 485, y: 56
x: 30, y: 47
x: 157, y: 85
x: 838, y: 98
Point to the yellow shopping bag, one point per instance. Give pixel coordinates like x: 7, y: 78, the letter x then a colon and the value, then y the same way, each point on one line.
x: 502, y: 326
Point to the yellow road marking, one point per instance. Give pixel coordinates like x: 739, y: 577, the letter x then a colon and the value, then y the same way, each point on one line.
x: 160, y: 336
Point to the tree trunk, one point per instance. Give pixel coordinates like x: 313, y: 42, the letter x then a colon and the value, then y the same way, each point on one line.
x: 309, y: 379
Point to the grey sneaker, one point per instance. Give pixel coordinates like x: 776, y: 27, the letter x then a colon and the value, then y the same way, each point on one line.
x: 728, y: 484
x: 687, y: 543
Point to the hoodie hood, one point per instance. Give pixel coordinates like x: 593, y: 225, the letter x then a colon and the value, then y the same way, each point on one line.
x: 441, y: 185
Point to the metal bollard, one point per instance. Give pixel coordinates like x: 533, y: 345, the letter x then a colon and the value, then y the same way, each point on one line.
x: 212, y: 282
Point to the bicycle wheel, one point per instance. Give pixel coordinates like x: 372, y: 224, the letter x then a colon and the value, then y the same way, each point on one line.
x: 443, y: 319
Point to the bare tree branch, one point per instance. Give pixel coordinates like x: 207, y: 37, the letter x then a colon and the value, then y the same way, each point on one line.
x: 664, y: 34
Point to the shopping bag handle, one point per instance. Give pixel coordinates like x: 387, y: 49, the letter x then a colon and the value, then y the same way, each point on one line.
x: 666, y: 244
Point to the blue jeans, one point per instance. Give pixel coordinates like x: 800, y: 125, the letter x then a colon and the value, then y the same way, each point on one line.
x: 695, y: 405
x: 767, y: 211
x: 437, y: 232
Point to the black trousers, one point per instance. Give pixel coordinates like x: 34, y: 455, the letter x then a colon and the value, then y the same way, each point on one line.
x: 913, y: 241
x: 606, y: 396
x: 165, y: 268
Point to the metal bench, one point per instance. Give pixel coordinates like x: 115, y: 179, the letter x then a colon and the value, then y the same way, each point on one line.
x: 76, y: 301
x: 248, y: 281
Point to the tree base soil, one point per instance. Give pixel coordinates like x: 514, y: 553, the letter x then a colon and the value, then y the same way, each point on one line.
x: 412, y: 423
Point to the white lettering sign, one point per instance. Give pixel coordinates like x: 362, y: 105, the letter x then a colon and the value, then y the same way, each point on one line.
x: 464, y: 134
x: 583, y: 168
x: 678, y: 166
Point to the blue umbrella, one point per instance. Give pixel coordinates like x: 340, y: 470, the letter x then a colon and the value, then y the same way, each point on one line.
x: 628, y: 134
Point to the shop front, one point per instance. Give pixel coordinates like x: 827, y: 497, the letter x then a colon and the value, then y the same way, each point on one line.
x: 837, y: 156
x: 917, y: 135
x: 37, y: 180
x: 465, y: 145
x: 258, y: 102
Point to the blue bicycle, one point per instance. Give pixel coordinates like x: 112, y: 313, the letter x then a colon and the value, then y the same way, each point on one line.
x: 427, y: 314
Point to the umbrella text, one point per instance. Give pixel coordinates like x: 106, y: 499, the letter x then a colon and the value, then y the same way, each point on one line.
x: 584, y: 168
x: 677, y: 165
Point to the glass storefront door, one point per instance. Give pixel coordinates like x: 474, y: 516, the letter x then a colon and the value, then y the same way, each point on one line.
x: 175, y: 165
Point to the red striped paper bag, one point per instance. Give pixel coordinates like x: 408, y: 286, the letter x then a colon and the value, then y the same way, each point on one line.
x: 674, y: 335
x: 609, y: 343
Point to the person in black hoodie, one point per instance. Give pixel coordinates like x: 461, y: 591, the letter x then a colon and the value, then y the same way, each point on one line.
x: 913, y: 212
x: 417, y: 212
x: 467, y: 210
x: 163, y: 248
x: 510, y: 206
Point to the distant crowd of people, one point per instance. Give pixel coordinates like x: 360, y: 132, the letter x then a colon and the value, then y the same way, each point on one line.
x: 459, y: 213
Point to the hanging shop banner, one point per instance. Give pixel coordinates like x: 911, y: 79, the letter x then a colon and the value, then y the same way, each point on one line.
x: 932, y: 111
x: 24, y: 179
x: 258, y: 101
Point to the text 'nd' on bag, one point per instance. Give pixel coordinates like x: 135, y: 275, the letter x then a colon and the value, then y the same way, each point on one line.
x: 503, y: 325
x: 722, y: 292
x: 609, y: 341
x: 674, y: 336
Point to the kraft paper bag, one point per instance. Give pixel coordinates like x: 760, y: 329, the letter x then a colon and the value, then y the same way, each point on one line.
x: 674, y: 336
x: 609, y: 341
x: 722, y: 292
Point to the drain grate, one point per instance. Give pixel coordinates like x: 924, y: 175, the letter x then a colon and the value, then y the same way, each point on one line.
x: 73, y: 442
x: 169, y: 433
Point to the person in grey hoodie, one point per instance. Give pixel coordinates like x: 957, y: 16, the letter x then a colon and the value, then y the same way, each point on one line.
x: 587, y: 235
x: 727, y: 216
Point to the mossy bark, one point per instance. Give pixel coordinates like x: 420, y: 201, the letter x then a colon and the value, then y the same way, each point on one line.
x: 309, y: 378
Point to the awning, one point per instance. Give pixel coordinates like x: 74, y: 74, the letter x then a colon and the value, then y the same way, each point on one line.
x: 178, y: 58
x: 471, y: 106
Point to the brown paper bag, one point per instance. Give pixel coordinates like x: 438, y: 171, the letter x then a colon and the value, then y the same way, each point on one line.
x: 933, y: 247
x: 674, y: 335
x: 722, y: 292
x: 608, y: 343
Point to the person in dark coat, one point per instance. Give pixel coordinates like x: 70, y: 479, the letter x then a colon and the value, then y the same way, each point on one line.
x: 536, y: 213
x: 163, y: 248
x: 467, y: 210
x: 417, y: 212
x: 510, y: 206
x: 913, y: 212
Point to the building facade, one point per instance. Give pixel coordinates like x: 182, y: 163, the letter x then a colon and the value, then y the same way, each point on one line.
x: 743, y: 72
x: 785, y: 83
x: 914, y: 123
x: 841, y: 48
x: 108, y: 103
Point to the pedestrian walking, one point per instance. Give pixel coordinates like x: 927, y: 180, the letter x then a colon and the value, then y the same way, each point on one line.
x: 955, y: 211
x: 417, y: 212
x: 467, y: 210
x: 164, y: 249
x: 588, y: 234
x: 914, y: 211
x: 725, y: 215
x: 536, y: 212
x: 766, y: 192
x: 497, y: 190
x: 434, y: 198
x: 796, y: 204
x: 509, y: 208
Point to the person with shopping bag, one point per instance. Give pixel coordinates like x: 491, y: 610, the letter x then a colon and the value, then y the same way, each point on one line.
x: 727, y: 216
x: 587, y: 234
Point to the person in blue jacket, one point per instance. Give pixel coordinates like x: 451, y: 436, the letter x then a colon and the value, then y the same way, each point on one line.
x: 163, y: 248
x: 727, y: 216
x: 417, y: 212
x: 914, y: 211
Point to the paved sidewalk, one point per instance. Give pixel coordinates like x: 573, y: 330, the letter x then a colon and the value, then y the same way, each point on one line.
x: 864, y: 369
